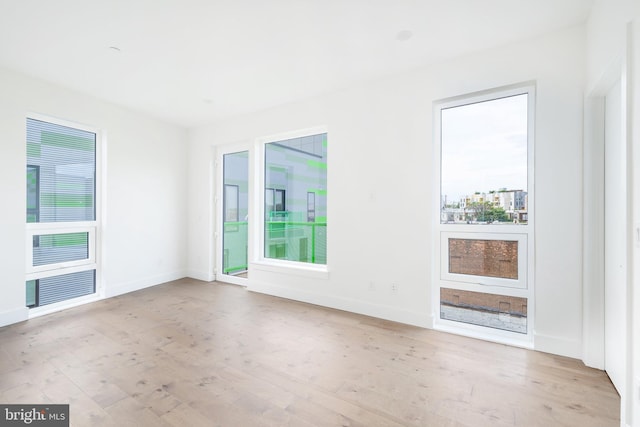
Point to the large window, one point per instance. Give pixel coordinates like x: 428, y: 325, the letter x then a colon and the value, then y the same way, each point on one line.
x: 60, y: 212
x: 484, y: 161
x: 484, y: 226
x: 295, y: 199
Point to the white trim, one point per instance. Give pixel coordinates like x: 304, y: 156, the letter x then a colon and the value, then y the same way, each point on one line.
x: 314, y: 130
x: 233, y: 280
x: 379, y: 311
x: 205, y: 276
x: 593, y: 234
x: 524, y: 287
x: 59, y: 271
x: 101, y: 213
x: 63, y: 122
x: 558, y: 345
x: 212, y: 216
x: 594, y: 316
x: 58, y: 227
x: 490, y: 289
x: 16, y: 315
x: 46, y: 231
x: 633, y: 129
x: 484, y: 333
x: 124, y: 288
x: 63, y: 305
x: 218, y: 205
x: 301, y: 269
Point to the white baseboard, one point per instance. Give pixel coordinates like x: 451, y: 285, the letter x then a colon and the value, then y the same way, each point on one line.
x: 558, y: 345
x: 201, y: 275
x: 354, y: 306
x: 14, y: 316
x: 22, y: 313
x: 119, y: 289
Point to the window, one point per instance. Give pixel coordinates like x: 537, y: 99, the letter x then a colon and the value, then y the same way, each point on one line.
x: 279, y: 200
x: 311, y: 207
x: 485, y: 146
x: 60, y: 212
x: 491, y: 258
x: 502, y: 312
x: 484, y: 161
x: 295, y: 224
x: 275, y: 201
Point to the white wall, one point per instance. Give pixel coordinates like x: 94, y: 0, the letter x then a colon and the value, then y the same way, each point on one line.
x: 144, y: 229
x: 380, y: 157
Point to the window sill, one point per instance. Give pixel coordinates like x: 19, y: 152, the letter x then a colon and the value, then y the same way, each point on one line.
x: 312, y: 271
x: 513, y: 339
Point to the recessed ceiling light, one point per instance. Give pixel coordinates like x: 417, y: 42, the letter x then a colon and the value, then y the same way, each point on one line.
x: 404, y: 35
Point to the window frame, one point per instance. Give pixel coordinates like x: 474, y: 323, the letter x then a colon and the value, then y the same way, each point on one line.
x: 279, y: 194
x: 60, y: 228
x: 524, y: 233
x: 261, y: 262
x: 446, y: 275
x: 92, y: 262
x: 311, y: 206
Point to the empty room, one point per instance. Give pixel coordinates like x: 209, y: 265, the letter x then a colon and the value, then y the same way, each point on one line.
x: 320, y: 213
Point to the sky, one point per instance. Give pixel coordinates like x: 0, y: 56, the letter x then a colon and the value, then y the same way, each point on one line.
x: 484, y: 147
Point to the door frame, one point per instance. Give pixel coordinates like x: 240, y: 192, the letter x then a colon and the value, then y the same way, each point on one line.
x: 593, y: 225
x: 616, y: 241
x: 220, y: 152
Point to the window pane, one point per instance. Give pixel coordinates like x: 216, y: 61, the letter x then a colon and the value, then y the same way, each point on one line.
x: 295, y: 168
x: 484, y: 162
x: 492, y: 258
x: 32, y: 296
x: 311, y: 207
x: 55, y: 248
x: 33, y: 196
x: 236, y: 211
x: 478, y: 308
x: 66, y: 286
x: 60, y: 173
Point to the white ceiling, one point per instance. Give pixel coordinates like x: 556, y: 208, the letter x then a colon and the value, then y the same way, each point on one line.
x: 194, y: 61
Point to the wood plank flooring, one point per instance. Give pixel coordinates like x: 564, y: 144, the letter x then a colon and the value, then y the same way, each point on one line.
x: 189, y: 353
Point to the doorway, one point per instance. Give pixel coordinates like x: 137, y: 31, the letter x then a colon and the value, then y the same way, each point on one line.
x: 233, y: 219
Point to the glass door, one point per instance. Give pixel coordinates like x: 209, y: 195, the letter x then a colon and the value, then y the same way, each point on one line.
x: 233, y: 201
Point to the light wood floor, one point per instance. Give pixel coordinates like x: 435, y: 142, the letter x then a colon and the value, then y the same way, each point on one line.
x: 189, y: 353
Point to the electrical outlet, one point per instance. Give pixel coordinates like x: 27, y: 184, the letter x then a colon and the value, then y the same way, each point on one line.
x: 394, y: 287
x: 372, y: 286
